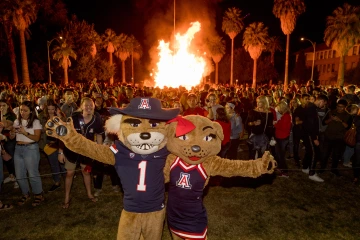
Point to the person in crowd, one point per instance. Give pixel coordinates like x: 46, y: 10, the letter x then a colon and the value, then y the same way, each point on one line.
x: 350, y: 96
x: 69, y: 105
x: 8, y: 145
x: 237, y: 130
x: 177, y: 104
x: 353, y: 110
x: 282, y: 133
x: 21, y: 98
x: 261, y: 128
x: 356, y: 162
x: 212, y: 105
x: 89, y: 124
x: 337, y: 121
x: 27, y: 131
x: 223, y: 120
x: 193, y: 108
x: 298, y: 119
x: 310, y: 127
x: 51, y: 110
x: 98, y: 168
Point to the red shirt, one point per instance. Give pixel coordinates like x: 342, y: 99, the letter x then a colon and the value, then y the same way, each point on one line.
x: 226, y: 127
x: 283, y: 127
x: 196, y: 111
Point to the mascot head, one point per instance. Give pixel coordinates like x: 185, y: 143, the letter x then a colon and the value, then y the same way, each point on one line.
x: 194, y: 138
x: 141, y: 126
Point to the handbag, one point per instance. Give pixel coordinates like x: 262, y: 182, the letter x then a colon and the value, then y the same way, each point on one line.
x: 50, y: 148
x: 350, y: 136
x: 4, y: 155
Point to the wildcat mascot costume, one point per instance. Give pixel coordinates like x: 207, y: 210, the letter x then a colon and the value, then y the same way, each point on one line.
x: 143, y: 163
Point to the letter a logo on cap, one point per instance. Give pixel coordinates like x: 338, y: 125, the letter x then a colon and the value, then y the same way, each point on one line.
x: 144, y: 104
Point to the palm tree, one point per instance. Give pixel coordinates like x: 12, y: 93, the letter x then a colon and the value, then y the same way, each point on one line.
x: 288, y: 11
x: 255, y: 39
x: 217, y: 49
x: 272, y: 46
x: 62, y: 54
x: 232, y: 25
x: 95, y: 38
x: 136, y: 52
x: 6, y: 21
x: 110, y: 43
x: 342, y: 32
x: 24, y: 13
x: 123, y: 52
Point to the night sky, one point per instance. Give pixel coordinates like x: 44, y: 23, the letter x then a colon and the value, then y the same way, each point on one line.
x: 129, y: 16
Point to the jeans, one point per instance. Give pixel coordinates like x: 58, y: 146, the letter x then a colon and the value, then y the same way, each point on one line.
x: 233, y: 149
x: 280, y: 149
x: 56, y: 167
x: 349, y: 152
x: 335, y: 148
x: 99, y: 169
x: 27, y: 159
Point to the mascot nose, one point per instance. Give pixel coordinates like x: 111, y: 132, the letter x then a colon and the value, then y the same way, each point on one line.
x: 145, y: 135
x: 195, y: 148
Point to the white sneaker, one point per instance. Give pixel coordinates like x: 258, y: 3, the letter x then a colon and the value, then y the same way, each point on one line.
x: 97, y: 192
x: 9, y: 179
x: 345, y: 165
x: 16, y: 185
x: 316, y: 178
x: 305, y: 170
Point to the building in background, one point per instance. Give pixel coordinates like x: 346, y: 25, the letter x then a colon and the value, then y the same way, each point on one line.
x: 327, y: 62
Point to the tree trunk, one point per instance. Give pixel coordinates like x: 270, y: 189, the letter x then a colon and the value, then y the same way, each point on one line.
x: 287, y: 62
x: 24, y: 62
x: 254, y: 74
x: 132, y: 69
x: 272, y: 58
x: 66, y: 77
x: 217, y: 73
x: 10, y: 42
x: 232, y: 62
x: 123, y: 71
x: 341, y: 72
x: 111, y: 63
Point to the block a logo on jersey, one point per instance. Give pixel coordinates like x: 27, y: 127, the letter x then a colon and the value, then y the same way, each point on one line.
x: 184, y: 181
x: 131, y: 155
x: 144, y: 104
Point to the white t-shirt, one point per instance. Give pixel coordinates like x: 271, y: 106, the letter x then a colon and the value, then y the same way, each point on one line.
x: 21, y: 137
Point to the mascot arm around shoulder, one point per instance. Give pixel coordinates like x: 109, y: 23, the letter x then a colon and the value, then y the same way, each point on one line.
x: 76, y: 142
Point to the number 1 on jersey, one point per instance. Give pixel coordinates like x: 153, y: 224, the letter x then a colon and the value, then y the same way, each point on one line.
x: 142, y: 186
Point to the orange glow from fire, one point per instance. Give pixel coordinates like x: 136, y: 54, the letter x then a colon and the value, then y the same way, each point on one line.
x: 182, y: 68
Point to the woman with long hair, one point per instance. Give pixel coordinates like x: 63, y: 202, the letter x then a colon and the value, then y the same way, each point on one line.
x: 27, y: 131
x: 261, y: 128
x: 51, y: 109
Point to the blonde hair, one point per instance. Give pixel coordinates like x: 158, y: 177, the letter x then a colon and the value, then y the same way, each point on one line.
x: 283, y: 107
x: 265, y: 102
x: 84, y: 99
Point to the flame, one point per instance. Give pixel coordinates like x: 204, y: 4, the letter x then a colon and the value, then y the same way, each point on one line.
x: 182, y: 67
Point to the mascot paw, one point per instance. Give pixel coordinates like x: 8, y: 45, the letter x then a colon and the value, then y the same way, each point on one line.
x: 57, y: 128
x: 269, y: 163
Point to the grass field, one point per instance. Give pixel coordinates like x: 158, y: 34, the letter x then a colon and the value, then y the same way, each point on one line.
x: 241, y: 208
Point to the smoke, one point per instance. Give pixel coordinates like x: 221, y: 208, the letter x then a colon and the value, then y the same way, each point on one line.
x: 158, y: 16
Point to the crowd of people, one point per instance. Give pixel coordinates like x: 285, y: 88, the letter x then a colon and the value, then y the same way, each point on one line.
x: 266, y: 118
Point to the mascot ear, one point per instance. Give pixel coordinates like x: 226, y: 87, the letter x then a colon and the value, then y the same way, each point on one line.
x: 219, y: 131
x: 170, y: 129
x: 112, y: 125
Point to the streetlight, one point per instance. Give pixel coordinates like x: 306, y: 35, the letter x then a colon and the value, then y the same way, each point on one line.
x: 313, y: 63
x: 48, y: 52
